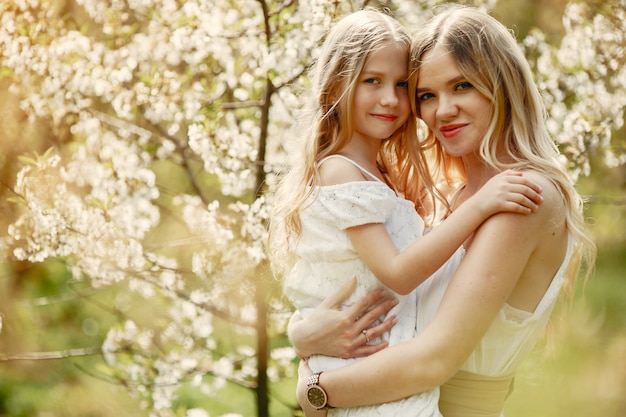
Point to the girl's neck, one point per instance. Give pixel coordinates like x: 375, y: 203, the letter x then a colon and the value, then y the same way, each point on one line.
x: 365, y: 156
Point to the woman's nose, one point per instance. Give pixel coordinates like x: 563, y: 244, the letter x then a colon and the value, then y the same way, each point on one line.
x: 446, y: 108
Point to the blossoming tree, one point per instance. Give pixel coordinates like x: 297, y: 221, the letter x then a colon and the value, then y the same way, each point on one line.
x: 168, y: 120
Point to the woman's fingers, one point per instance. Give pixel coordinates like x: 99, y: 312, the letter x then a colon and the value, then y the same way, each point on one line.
x: 376, y: 309
x: 361, y: 346
x: 382, y: 328
x: 335, y: 300
x: 304, y: 371
x: 363, y: 332
x: 366, y: 350
x: 370, y: 306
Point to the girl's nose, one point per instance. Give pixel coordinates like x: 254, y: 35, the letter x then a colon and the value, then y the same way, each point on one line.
x: 389, y: 97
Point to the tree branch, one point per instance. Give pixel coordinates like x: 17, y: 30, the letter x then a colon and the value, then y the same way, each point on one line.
x: 59, y: 354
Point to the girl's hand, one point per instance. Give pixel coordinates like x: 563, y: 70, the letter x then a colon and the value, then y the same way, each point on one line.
x: 509, y: 191
x: 333, y: 332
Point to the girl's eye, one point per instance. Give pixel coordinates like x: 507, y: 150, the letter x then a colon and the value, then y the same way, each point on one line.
x: 371, y: 81
x: 403, y: 84
x: 464, y: 86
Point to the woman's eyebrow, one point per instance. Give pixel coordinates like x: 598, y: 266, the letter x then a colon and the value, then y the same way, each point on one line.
x: 449, y: 82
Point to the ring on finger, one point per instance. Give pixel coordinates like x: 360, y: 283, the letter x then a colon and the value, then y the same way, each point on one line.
x: 367, y: 338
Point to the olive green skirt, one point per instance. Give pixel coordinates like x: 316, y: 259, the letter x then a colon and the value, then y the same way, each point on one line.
x: 472, y: 395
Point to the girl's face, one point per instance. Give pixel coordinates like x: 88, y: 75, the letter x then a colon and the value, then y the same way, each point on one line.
x: 457, y: 113
x: 381, y: 101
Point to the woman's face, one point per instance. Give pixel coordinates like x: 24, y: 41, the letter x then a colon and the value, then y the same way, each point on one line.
x: 454, y: 110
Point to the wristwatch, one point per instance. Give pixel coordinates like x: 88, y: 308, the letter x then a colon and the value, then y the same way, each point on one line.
x: 315, y: 394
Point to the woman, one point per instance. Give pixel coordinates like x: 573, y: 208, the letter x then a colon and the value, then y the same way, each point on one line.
x: 477, y: 318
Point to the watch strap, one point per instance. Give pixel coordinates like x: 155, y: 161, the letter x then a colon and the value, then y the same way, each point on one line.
x: 314, y: 379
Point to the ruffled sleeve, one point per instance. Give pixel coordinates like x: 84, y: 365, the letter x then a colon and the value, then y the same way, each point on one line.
x: 353, y: 204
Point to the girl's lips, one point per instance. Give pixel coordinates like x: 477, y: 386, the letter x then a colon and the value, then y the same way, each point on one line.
x: 386, y: 117
x: 449, y: 131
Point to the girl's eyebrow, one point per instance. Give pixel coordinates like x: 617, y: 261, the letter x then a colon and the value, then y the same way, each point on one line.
x: 372, y: 72
x: 449, y: 82
x: 379, y: 73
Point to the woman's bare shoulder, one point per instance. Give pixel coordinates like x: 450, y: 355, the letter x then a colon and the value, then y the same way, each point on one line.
x: 548, y: 218
x: 550, y: 192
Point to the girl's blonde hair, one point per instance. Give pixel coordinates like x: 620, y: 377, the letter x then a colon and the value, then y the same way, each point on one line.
x: 328, y: 126
x: 490, y: 59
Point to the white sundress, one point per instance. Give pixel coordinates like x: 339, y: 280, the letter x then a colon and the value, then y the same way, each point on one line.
x: 328, y: 260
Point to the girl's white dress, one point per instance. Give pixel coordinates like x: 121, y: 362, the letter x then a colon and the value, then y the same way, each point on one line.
x: 328, y: 260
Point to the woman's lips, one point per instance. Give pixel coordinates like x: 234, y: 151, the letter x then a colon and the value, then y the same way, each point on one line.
x: 449, y: 131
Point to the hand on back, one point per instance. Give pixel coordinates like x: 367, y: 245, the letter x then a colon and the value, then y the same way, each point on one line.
x: 509, y: 191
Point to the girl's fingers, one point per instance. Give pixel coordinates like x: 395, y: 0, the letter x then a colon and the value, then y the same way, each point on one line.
x: 518, y: 177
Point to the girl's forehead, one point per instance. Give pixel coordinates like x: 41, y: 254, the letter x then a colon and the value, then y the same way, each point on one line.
x: 389, y: 49
x: 391, y: 61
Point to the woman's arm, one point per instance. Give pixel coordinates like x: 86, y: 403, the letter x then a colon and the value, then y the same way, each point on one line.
x: 403, y: 271
x: 484, y: 281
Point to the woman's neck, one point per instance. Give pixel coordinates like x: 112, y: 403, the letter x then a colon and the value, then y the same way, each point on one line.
x: 478, y: 172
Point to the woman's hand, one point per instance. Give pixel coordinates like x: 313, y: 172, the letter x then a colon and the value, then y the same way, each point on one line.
x: 304, y: 372
x: 333, y: 332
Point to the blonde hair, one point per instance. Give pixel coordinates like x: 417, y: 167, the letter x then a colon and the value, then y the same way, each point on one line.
x: 489, y: 58
x: 328, y: 123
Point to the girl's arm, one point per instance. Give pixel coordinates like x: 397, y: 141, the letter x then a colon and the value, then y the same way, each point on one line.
x: 498, y: 256
x: 402, y: 271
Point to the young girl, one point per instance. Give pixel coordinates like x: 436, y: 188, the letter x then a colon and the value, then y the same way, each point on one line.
x: 352, y: 208
x: 479, y: 318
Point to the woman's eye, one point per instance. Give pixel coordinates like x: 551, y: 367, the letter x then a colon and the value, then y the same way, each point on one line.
x: 464, y: 86
x: 371, y: 81
x: 403, y: 84
x: 425, y: 96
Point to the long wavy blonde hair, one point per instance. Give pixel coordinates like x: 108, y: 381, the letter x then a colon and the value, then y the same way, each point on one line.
x: 491, y: 60
x: 328, y: 127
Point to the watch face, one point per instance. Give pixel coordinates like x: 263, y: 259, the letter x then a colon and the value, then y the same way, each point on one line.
x: 316, y: 396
